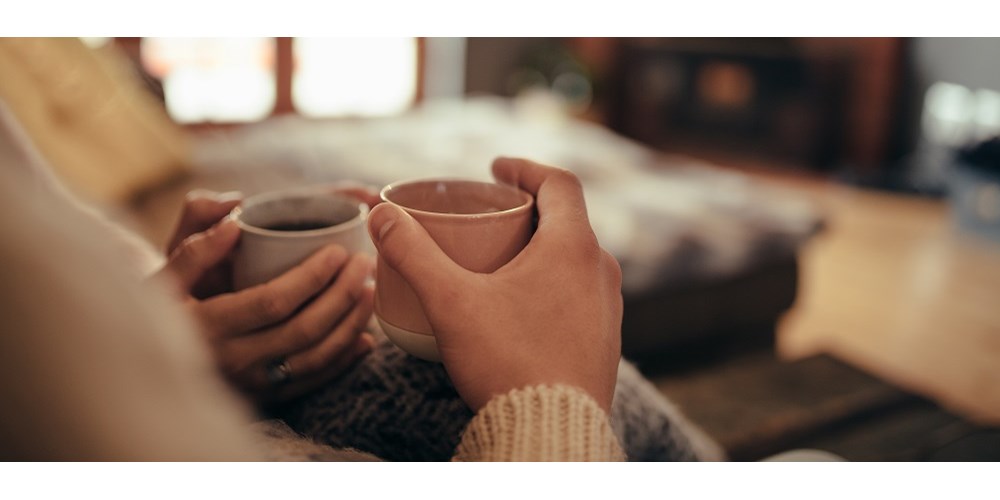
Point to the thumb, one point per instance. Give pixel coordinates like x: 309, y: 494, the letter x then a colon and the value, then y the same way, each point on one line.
x: 406, y: 247
x: 200, y: 252
x: 202, y: 209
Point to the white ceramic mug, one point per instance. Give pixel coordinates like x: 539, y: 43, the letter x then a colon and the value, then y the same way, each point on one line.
x: 280, y: 229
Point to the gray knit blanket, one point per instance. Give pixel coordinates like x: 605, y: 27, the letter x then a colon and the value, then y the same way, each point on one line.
x: 400, y: 408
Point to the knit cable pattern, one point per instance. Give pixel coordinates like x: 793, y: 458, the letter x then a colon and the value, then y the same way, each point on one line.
x: 540, y: 423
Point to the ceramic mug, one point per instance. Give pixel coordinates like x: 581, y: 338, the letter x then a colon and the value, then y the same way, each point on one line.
x: 479, y: 225
x: 280, y: 229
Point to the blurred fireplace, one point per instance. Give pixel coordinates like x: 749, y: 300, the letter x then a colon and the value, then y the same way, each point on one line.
x: 765, y: 98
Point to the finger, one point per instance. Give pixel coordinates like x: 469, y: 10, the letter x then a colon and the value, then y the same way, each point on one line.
x: 242, y: 312
x: 558, y: 193
x: 406, y: 247
x: 363, y: 344
x: 319, y: 323
x: 613, y: 268
x: 199, y: 253
x: 342, y: 338
x: 326, y: 312
x: 202, y: 209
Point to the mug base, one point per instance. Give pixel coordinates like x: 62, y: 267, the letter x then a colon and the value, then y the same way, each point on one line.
x: 420, y: 345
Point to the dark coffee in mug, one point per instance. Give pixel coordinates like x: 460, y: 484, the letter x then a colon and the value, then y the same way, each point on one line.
x: 307, y: 225
x: 280, y: 229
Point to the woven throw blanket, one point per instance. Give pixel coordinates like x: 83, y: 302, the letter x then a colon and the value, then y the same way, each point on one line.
x: 670, y: 221
x: 401, y: 408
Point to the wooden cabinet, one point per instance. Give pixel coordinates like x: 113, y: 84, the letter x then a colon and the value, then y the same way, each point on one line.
x: 846, y: 109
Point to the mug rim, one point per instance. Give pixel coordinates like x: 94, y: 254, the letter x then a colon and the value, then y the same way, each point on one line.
x: 358, y: 218
x: 528, y: 201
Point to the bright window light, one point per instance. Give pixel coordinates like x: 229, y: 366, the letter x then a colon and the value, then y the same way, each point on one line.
x: 213, y: 79
x: 354, y: 77
x: 948, y: 108
x: 987, y: 113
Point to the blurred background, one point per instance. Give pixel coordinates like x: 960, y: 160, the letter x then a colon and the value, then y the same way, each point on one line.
x: 809, y: 228
x: 877, y: 110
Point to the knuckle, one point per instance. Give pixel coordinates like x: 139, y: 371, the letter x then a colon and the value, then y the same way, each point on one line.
x: 318, y: 272
x: 337, y: 253
x: 271, y: 306
x: 302, y: 334
x: 337, y: 346
x: 613, y: 268
x: 328, y: 353
x: 316, y: 277
x: 587, y: 249
x: 591, y: 243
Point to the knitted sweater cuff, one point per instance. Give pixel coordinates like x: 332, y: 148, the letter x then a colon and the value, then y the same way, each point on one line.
x: 541, y: 423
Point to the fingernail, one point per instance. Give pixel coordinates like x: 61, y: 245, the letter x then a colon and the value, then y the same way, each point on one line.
x: 382, y: 220
x: 224, y: 228
x: 229, y: 196
x: 199, y: 193
x: 385, y: 229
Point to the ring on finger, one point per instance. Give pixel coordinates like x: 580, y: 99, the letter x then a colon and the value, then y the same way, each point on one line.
x: 278, y: 372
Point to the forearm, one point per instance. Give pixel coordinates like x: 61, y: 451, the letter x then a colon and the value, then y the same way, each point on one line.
x: 540, y: 423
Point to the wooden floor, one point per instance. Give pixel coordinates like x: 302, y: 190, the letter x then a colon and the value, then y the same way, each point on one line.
x: 893, y: 288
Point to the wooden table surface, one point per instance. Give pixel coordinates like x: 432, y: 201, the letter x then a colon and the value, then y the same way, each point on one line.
x: 895, y: 289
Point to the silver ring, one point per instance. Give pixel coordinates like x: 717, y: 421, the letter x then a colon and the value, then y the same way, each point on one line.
x: 278, y: 372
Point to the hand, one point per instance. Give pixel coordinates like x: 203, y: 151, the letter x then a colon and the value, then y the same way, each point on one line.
x: 203, y: 208
x: 551, y: 315
x: 316, y: 327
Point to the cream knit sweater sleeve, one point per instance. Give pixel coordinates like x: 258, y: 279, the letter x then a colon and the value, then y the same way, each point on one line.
x: 541, y: 423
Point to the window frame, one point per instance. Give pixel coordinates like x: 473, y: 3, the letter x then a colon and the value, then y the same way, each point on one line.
x: 284, y: 72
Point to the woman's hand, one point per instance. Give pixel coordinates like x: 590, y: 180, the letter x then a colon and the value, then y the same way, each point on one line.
x: 550, y: 316
x: 280, y: 339
x: 203, y: 209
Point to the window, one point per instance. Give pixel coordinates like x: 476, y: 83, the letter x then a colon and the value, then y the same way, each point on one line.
x: 954, y: 115
x: 350, y: 76
x: 236, y: 80
x: 213, y: 79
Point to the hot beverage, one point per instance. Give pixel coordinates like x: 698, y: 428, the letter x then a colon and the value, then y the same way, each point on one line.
x: 280, y: 229
x: 308, y: 225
